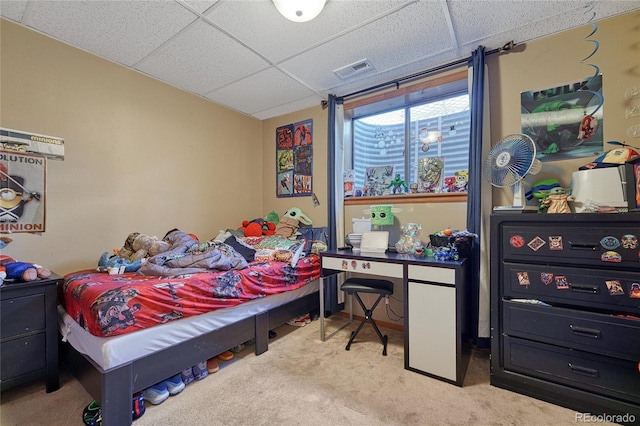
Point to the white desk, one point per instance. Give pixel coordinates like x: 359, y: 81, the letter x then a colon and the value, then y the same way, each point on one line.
x: 436, y: 311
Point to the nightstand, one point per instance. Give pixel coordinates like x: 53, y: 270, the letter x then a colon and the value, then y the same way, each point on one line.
x: 29, y: 333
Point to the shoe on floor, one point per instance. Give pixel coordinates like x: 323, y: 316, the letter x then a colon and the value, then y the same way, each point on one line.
x: 212, y: 365
x: 297, y: 321
x: 237, y: 349
x: 175, y: 385
x: 200, y: 370
x: 187, y: 376
x: 307, y: 319
x: 272, y: 334
x: 92, y: 414
x: 225, y: 356
x: 137, y: 407
x: 157, y: 393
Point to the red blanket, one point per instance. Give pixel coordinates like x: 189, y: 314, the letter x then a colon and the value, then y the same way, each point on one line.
x: 109, y: 305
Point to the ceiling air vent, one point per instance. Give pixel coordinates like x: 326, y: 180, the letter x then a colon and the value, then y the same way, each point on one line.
x: 354, y: 69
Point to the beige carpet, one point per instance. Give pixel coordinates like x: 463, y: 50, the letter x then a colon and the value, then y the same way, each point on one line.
x: 301, y: 380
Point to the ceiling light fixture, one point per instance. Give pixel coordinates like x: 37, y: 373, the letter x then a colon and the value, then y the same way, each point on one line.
x: 299, y: 10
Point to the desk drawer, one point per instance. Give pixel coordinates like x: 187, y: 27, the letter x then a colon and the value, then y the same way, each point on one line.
x: 22, y: 315
x: 432, y: 274
x: 604, y: 334
x: 598, y: 288
x: 593, y: 373
x: 363, y: 266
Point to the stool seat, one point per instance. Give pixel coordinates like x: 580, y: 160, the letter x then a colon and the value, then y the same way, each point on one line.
x: 367, y: 285
x: 382, y: 288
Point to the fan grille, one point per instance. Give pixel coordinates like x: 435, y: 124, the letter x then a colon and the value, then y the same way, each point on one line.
x: 510, y: 160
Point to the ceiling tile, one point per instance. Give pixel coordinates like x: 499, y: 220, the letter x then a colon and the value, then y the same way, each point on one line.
x: 201, y: 59
x: 260, y: 91
x: 13, y: 10
x: 122, y: 31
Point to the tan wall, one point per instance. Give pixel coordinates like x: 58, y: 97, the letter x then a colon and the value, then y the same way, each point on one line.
x: 555, y: 60
x: 139, y: 155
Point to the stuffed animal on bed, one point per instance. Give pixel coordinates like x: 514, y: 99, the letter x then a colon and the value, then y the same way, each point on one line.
x: 106, y: 262
x: 257, y: 228
x: 290, y: 222
x: 138, y: 246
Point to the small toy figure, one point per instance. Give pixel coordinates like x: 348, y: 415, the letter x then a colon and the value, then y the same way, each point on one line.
x: 557, y: 201
x: 410, y: 242
x: 398, y: 183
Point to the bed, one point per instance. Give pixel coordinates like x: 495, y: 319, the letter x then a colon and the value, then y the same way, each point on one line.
x: 123, y: 333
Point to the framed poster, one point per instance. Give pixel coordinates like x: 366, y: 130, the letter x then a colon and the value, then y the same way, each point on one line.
x: 22, y: 192
x: 294, y: 159
x: 565, y: 121
x: 632, y: 168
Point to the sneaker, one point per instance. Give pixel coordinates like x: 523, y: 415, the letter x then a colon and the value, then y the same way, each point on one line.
x: 175, y: 385
x: 307, y: 319
x: 157, y: 393
x: 92, y: 414
x: 187, y: 376
x: 212, y: 365
x: 237, y: 349
x: 225, y: 356
x: 200, y: 370
x: 272, y: 334
x: 297, y: 321
x: 137, y: 408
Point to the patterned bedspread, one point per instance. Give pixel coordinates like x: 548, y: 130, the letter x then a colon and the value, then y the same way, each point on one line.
x: 109, y: 305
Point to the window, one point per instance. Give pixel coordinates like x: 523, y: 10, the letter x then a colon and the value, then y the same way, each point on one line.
x: 420, y: 137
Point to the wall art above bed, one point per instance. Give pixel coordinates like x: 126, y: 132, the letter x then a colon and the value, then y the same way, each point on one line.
x: 294, y: 159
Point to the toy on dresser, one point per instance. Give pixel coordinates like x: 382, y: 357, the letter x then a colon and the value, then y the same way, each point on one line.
x: 11, y: 269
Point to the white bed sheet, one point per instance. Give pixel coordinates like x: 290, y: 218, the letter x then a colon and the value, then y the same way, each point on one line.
x: 111, y: 352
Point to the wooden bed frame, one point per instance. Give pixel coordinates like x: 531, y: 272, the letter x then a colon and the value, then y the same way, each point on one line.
x: 113, y: 389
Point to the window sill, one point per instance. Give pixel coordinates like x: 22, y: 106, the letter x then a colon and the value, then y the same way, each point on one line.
x: 443, y: 197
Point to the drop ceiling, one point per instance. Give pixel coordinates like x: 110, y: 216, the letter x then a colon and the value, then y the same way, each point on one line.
x: 244, y: 55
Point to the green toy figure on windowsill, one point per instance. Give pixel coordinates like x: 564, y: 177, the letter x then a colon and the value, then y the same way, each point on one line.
x: 398, y: 184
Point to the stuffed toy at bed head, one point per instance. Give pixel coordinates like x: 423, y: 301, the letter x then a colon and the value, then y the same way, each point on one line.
x: 257, y: 228
x: 138, y: 246
x: 290, y: 222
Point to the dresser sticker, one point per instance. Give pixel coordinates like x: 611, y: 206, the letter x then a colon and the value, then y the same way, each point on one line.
x: 629, y: 241
x: 354, y: 264
x: 523, y: 278
x: 634, y: 292
x: 555, y: 243
x: 561, y: 282
x: 615, y: 288
x: 610, y: 243
x: 546, y: 277
x: 611, y: 256
x: 536, y: 243
x: 345, y: 265
x: 516, y: 241
x: 366, y: 265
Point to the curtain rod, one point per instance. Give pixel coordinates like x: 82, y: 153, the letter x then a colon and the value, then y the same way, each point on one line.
x: 506, y: 48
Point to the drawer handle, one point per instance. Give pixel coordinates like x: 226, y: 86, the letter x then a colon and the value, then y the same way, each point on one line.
x: 584, y: 288
x: 583, y: 370
x: 586, y: 332
x: 583, y: 246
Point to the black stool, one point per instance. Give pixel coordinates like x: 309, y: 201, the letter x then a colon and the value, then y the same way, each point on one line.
x: 382, y: 288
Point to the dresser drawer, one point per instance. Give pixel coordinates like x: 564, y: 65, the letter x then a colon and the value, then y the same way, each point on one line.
x: 609, y: 245
x: 593, y: 373
x: 604, y: 289
x: 22, y: 315
x: 604, y: 334
x: 23, y: 355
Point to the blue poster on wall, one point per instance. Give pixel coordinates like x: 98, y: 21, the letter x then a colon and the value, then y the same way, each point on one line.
x: 294, y: 159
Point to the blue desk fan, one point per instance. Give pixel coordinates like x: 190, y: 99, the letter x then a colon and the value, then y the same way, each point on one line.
x: 509, y: 161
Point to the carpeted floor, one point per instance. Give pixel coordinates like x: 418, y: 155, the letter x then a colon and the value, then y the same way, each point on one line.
x: 301, y: 380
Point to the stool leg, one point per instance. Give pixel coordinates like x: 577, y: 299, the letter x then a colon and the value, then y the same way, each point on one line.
x: 368, y: 317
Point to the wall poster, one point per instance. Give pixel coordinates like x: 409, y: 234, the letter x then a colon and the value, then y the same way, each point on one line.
x: 565, y: 122
x: 294, y: 159
x: 22, y: 192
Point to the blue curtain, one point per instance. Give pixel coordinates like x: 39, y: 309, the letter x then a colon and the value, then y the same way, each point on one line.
x: 474, y: 196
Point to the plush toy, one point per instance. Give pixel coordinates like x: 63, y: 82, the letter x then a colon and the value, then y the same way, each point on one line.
x: 290, y: 222
x: 257, y: 228
x: 107, y: 263
x: 138, y: 246
x: 21, y: 271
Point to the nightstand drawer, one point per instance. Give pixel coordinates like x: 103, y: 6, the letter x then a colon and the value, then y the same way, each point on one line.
x: 616, y: 290
x: 604, y: 334
x: 593, y: 373
x: 22, y: 315
x: 23, y: 355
